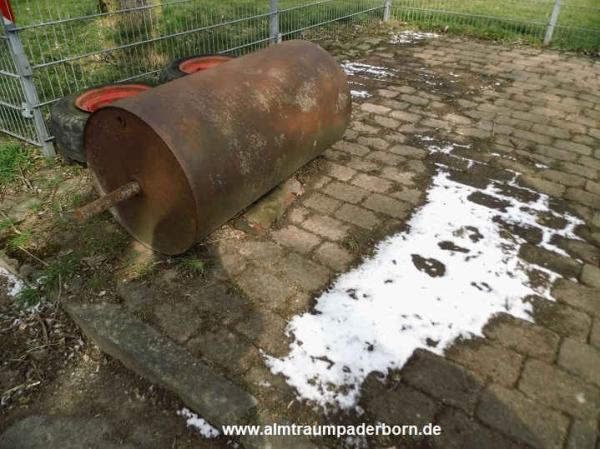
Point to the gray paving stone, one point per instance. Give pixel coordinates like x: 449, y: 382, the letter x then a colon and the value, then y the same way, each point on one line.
x: 460, y: 431
x: 397, y: 403
x: 258, y: 283
x: 580, y: 359
x: 562, y: 319
x: 590, y: 275
x: 358, y: 216
x: 296, y: 238
x: 163, y: 362
x: 386, y: 205
x: 583, y: 435
x: 374, y: 108
x: 303, y: 273
x: 560, y: 390
x: 525, y: 338
x: 442, y: 379
x: 372, y: 183
x: 345, y: 192
x: 322, y: 203
x: 334, y: 256
x: 325, y: 226
x: 522, y: 419
x: 542, y: 185
x: 563, y: 265
x: 338, y: 171
x: 488, y: 361
x: 595, y: 334
x: 408, y: 151
x: 578, y: 296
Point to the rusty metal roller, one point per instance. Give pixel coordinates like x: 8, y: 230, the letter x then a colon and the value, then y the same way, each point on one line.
x: 178, y: 161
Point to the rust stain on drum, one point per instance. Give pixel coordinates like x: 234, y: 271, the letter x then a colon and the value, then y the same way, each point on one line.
x: 206, y: 146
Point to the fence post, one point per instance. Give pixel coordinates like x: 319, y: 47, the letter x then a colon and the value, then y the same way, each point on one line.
x: 31, y: 108
x: 275, y: 37
x: 552, y: 23
x: 387, y: 10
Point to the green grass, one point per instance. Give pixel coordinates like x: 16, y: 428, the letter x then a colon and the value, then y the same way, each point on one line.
x: 15, y: 162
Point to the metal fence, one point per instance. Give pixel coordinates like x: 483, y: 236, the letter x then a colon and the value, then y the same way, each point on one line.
x: 58, y: 47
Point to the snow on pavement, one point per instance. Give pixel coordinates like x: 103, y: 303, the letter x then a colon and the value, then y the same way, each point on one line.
x: 442, y: 279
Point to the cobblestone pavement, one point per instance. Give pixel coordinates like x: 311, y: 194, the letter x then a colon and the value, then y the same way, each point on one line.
x: 522, y: 110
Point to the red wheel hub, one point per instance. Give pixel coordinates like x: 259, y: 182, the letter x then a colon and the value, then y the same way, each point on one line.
x: 94, y: 99
x: 200, y: 63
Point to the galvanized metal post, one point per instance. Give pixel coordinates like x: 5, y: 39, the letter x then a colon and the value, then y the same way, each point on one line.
x: 31, y: 108
x: 387, y: 10
x: 274, y: 22
x: 552, y: 23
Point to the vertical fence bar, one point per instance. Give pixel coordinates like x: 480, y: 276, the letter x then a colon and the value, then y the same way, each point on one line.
x: 274, y: 22
x: 31, y: 108
x: 552, y: 23
x: 387, y: 10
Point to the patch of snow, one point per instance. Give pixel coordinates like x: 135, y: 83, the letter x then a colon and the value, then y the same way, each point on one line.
x: 360, y: 94
x: 411, y: 37
x: 442, y: 279
x: 367, y: 70
x: 200, y: 424
x: 15, y: 285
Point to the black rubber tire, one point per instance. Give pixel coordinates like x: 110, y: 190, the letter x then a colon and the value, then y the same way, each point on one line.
x: 67, y: 123
x: 172, y: 72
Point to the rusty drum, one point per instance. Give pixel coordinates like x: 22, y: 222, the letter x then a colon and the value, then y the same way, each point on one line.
x: 205, y: 146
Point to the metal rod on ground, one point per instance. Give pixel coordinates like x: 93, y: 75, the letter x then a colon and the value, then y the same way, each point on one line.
x: 123, y: 193
x: 552, y: 23
x: 387, y: 10
x: 275, y: 36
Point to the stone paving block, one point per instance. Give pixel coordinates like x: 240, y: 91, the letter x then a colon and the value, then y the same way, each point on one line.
x: 578, y: 296
x: 583, y: 197
x: 573, y: 147
x: 374, y: 108
x: 555, y: 153
x: 225, y: 349
x: 327, y: 227
x: 333, y: 256
x: 400, y: 176
x: 490, y: 362
x: 264, y: 251
x: 322, y: 203
x: 442, y: 379
x: 163, y: 362
x: 590, y: 275
x: 560, y: 390
x: 338, y: 171
x: 580, y: 359
x: 358, y: 216
x: 307, y: 275
x: 551, y: 131
x: 298, y: 214
x: 593, y: 187
x: 345, y: 192
x: 386, y: 158
x: 583, y: 435
x: 523, y: 337
x: 363, y: 128
x: 386, y: 122
x: 372, y: 183
x: 463, y: 432
x: 387, y: 206
x: 263, y: 286
x: 265, y: 330
x: 406, y: 116
x: 296, y: 238
x: 562, y: 319
x: 522, y: 419
x: 542, y: 185
x: 362, y: 165
x: 376, y: 143
x: 550, y: 260
x: 351, y: 148
x: 583, y: 168
x: 397, y: 404
x: 579, y: 249
x: 408, y: 151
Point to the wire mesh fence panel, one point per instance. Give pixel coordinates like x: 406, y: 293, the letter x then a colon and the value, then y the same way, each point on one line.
x: 75, y: 44
x: 13, y: 113
x: 578, y: 24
